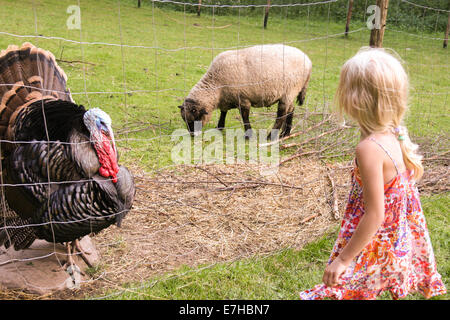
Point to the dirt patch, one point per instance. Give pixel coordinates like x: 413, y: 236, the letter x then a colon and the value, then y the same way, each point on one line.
x: 436, y: 178
x: 38, y: 270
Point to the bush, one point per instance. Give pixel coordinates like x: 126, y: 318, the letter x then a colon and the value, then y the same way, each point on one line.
x: 401, y: 14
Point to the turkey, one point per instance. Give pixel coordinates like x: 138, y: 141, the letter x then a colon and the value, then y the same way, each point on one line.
x: 59, y: 164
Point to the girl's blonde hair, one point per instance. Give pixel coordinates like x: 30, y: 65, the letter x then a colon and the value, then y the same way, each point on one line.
x: 373, y: 90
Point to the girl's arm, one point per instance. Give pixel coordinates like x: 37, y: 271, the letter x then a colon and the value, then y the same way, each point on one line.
x: 370, y: 163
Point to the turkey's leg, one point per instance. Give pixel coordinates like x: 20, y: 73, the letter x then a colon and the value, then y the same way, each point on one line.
x: 80, y: 251
x: 70, y: 265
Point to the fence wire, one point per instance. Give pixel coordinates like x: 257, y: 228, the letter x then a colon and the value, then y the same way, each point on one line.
x: 168, y: 193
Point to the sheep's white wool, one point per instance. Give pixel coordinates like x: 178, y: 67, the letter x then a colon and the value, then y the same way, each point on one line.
x: 258, y: 76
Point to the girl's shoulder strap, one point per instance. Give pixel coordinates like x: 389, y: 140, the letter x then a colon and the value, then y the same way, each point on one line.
x: 387, y: 152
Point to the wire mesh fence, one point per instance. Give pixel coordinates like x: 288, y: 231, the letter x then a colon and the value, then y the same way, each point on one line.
x: 139, y: 64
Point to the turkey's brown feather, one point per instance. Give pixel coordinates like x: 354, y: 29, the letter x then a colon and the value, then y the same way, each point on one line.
x: 28, y: 74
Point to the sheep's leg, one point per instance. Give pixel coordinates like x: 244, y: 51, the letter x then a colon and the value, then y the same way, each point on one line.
x: 245, y: 114
x: 281, y: 118
x: 221, y: 124
x: 287, y: 126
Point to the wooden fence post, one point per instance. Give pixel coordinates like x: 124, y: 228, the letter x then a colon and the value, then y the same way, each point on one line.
x: 139, y: 3
x: 199, y: 8
x: 349, y: 16
x: 446, y: 32
x: 376, y: 36
x: 266, y: 15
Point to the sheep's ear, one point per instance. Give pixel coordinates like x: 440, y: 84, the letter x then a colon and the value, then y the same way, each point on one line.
x: 181, y: 107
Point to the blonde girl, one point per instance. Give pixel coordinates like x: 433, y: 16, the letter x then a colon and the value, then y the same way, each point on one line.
x: 383, y: 243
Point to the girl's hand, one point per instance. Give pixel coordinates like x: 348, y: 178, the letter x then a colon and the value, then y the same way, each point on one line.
x: 333, y: 271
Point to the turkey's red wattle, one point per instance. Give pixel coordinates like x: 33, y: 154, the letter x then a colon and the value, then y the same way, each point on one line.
x: 106, y: 153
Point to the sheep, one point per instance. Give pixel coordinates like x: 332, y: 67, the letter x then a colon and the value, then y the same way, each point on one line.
x: 257, y: 76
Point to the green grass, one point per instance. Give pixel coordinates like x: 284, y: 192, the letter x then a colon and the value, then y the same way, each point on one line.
x: 179, y: 49
x: 278, y: 276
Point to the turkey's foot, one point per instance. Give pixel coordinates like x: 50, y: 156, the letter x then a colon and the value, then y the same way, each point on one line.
x: 69, y: 266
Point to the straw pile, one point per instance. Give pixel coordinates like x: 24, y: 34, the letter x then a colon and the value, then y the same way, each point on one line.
x: 203, y: 214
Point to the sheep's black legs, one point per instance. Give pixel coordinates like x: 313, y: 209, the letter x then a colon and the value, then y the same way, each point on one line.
x: 221, y: 123
x: 281, y: 118
x: 287, y: 125
x: 245, y: 114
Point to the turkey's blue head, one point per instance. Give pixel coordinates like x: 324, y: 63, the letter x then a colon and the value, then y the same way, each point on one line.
x: 98, y: 123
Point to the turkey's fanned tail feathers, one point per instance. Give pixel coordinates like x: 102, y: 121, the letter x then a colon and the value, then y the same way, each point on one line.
x: 28, y: 74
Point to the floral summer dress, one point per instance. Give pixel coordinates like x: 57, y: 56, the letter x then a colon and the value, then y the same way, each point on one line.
x: 399, y: 258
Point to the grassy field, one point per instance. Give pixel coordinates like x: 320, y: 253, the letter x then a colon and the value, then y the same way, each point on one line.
x: 139, y: 64
x: 172, y: 50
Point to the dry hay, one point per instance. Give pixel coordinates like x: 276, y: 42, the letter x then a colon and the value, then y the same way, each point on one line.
x: 436, y: 163
x: 193, y: 215
x: 436, y: 177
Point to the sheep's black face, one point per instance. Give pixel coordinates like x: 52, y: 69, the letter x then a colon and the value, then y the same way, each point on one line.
x: 191, y: 112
